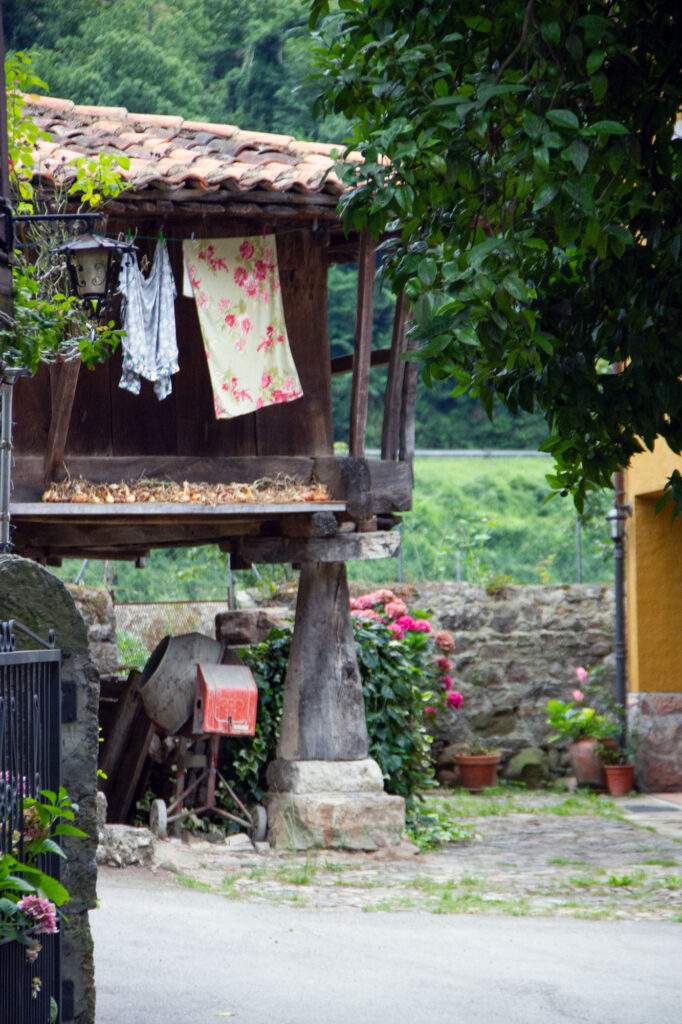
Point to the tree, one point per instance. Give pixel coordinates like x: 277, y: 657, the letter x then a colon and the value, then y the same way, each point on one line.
x: 523, y: 159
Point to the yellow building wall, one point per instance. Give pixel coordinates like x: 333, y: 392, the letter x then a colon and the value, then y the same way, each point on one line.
x: 653, y: 577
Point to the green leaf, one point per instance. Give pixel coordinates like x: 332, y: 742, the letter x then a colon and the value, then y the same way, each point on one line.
x: 595, y: 61
x: 563, y: 118
x: 545, y: 194
x: 605, y: 128
x: 599, y: 83
x: 579, y: 153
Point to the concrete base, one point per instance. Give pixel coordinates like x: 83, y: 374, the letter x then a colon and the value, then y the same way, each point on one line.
x: 331, y: 804
x: 655, y: 720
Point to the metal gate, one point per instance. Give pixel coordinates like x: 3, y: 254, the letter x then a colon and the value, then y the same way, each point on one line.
x: 30, y: 760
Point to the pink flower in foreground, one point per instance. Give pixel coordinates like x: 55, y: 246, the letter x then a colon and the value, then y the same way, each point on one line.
x: 581, y: 675
x: 406, y: 622
x: 394, y: 628
x: 454, y: 699
x: 43, y: 912
x: 369, y: 613
x: 445, y: 682
x: 444, y: 641
x: 578, y: 695
x: 394, y: 609
x: 443, y: 664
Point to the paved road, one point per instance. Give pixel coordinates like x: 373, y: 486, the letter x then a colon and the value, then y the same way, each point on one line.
x: 172, y: 955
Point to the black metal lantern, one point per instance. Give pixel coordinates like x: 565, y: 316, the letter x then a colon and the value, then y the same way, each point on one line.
x: 93, y: 263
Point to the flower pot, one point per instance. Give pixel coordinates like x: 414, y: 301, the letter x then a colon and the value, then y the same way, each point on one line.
x: 619, y: 778
x: 477, y: 771
x: 586, y: 762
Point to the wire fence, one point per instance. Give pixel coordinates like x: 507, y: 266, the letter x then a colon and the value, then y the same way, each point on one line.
x: 141, y: 626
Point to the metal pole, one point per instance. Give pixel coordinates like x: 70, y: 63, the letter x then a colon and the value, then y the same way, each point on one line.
x: 400, y: 554
x: 619, y: 643
x: 8, y: 377
x: 230, y: 584
x: 458, y: 563
x: 578, y: 550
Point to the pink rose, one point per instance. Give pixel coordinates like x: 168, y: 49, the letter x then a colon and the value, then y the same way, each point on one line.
x: 260, y: 270
x: 230, y: 320
x: 240, y: 275
x: 578, y: 695
x: 454, y: 699
x: 429, y: 710
x: 445, y: 682
x: 581, y: 675
x: 246, y: 250
x: 265, y: 382
x: 251, y: 288
x: 246, y: 325
x: 443, y: 664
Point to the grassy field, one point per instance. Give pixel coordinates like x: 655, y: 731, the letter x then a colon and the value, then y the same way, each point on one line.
x: 492, y: 511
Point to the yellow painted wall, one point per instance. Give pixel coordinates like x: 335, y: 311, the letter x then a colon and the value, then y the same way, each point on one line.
x: 654, y: 577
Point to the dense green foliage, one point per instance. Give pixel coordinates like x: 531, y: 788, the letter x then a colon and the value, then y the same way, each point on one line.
x: 534, y: 185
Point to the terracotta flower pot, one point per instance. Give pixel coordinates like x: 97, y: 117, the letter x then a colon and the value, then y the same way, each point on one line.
x: 477, y: 771
x: 587, y: 765
x: 619, y: 778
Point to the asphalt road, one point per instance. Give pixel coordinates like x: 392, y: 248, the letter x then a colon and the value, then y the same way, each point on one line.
x: 170, y: 955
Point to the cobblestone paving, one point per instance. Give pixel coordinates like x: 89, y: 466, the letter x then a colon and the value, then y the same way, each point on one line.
x: 537, y: 856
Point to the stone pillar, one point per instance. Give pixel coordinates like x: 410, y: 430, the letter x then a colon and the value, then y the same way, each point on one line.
x: 655, y: 723
x: 35, y: 597
x: 323, y: 789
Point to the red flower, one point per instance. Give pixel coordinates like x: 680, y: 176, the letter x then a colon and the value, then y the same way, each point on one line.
x: 260, y: 270
x: 454, y: 699
x: 246, y: 250
x: 240, y: 275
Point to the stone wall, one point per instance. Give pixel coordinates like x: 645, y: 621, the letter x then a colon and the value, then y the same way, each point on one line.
x: 655, y: 721
x: 40, y: 601
x: 516, y: 648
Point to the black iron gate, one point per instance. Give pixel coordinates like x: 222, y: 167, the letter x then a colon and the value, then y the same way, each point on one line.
x: 30, y: 760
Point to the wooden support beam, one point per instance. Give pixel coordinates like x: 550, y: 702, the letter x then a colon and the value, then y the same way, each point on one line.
x: 407, y: 412
x: 341, y: 548
x: 344, y: 364
x: 363, y: 346
x: 390, y: 432
x: 63, y: 381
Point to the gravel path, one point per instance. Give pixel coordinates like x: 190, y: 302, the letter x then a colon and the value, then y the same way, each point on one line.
x: 533, y: 854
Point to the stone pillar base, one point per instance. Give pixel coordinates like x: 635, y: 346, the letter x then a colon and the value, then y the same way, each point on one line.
x: 331, y: 805
x: 655, y: 721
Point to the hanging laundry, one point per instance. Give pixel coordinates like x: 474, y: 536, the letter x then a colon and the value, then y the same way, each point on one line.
x: 235, y: 284
x: 150, y: 348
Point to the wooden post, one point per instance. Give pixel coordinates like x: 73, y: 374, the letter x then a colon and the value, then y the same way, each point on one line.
x: 407, y: 412
x: 63, y: 381
x: 363, y: 346
x: 323, y: 715
x: 390, y: 434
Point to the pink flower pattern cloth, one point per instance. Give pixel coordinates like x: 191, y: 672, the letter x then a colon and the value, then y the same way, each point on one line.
x: 236, y: 287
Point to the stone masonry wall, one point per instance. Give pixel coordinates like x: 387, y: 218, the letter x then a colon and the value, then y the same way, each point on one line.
x: 516, y: 648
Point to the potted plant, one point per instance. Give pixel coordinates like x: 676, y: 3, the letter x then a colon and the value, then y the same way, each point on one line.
x: 619, y: 766
x: 478, y: 767
x: 587, y: 732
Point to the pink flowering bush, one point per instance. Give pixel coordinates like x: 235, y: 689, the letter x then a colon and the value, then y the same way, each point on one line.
x: 406, y: 684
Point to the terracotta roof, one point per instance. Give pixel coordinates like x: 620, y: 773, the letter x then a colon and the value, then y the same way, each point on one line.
x: 167, y: 153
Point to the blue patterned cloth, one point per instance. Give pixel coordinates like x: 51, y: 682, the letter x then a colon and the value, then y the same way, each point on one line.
x: 150, y: 348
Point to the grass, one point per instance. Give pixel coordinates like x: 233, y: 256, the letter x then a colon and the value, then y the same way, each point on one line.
x: 193, y: 883
x: 503, y: 800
